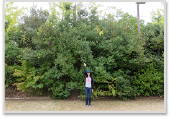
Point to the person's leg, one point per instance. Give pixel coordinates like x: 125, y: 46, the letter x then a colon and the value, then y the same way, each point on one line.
x: 90, y: 91
x: 86, y: 95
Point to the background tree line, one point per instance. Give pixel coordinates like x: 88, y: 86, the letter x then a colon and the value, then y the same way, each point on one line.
x: 45, y: 51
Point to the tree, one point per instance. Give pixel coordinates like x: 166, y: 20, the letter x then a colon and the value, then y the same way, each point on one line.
x: 158, y: 16
x: 52, y: 46
x: 13, y: 54
x: 30, y: 26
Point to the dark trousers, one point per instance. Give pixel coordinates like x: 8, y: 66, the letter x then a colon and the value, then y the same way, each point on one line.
x: 88, y: 90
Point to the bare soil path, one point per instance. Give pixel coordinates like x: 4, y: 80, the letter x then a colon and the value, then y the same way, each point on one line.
x: 142, y: 104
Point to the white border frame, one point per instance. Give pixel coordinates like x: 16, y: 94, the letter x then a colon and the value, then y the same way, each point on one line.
x: 95, y: 112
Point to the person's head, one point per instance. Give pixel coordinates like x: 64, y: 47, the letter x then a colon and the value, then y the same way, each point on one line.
x: 88, y: 72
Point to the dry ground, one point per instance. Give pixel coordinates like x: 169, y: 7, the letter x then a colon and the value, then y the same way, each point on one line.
x: 79, y: 105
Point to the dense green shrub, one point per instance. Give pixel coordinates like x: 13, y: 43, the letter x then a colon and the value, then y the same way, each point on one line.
x: 13, y: 55
x: 48, y: 57
x: 149, y: 81
x: 125, y: 90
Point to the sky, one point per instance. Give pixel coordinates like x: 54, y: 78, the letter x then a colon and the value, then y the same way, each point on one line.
x: 130, y: 7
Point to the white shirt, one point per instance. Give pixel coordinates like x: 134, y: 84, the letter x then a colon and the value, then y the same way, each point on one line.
x: 88, y: 82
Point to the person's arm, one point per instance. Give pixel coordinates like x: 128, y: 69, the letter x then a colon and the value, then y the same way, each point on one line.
x: 92, y: 84
x: 84, y: 70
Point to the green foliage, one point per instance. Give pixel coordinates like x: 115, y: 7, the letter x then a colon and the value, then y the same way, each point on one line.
x: 26, y: 77
x: 46, y: 52
x: 125, y: 90
x: 9, y: 70
x: 11, y: 17
x: 13, y: 57
x: 158, y: 16
x: 154, y: 39
x: 13, y: 53
x: 149, y: 81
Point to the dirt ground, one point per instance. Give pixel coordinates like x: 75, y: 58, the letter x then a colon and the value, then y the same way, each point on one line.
x: 142, y: 104
x: 26, y: 102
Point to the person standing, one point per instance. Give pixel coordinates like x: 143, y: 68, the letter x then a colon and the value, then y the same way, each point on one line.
x: 89, y: 85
